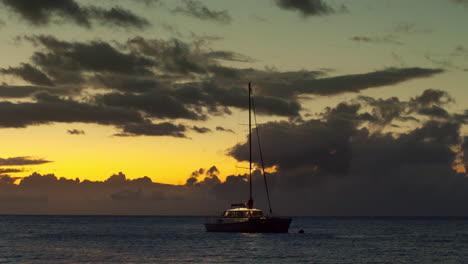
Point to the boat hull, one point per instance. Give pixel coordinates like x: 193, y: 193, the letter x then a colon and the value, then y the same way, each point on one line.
x: 262, y: 225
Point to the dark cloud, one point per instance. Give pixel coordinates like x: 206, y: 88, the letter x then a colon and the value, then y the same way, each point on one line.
x: 150, y: 129
x: 75, y: 132
x: 229, y: 56
x: 125, y: 83
x: 201, y: 130
x: 10, y: 170
x: 43, y: 12
x: 175, y: 56
x: 332, y: 165
x: 434, y: 111
x: 196, y: 9
x: 432, y: 97
x: 94, y: 56
x: 210, y: 177
x: 290, y: 85
x: 117, y: 16
x: 29, y: 73
x: 8, y: 91
x: 165, y: 80
x: 149, y: 2
x: 385, y: 111
x: 49, y: 109
x: 338, y: 168
x: 154, y: 103
x: 21, y: 161
x: 7, y: 180
x: 39, y: 12
x: 306, y: 7
x: 216, y: 98
x: 359, y: 82
x: 219, y: 128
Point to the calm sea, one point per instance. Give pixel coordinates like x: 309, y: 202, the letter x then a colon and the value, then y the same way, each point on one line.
x: 156, y: 239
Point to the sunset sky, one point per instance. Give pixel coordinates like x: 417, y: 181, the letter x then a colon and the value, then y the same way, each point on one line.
x: 364, y: 99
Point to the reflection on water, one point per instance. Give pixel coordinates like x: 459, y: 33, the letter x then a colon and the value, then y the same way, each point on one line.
x: 109, y: 239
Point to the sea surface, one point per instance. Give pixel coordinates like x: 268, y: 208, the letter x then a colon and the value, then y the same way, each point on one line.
x: 165, y: 239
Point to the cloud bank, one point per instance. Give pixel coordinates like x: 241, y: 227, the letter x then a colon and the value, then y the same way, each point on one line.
x: 152, y: 87
x: 352, y: 159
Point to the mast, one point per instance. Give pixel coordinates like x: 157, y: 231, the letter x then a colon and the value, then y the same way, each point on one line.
x: 250, y: 202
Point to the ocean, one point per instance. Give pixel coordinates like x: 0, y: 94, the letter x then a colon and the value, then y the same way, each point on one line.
x: 166, y: 239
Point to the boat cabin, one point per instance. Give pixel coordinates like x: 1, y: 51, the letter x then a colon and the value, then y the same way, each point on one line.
x: 243, y: 213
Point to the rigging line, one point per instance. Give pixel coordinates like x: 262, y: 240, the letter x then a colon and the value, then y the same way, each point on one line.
x: 250, y: 143
x: 261, y: 157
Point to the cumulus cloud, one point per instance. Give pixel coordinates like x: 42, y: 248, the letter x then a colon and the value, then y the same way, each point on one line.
x: 43, y: 12
x: 338, y: 168
x: 196, y: 9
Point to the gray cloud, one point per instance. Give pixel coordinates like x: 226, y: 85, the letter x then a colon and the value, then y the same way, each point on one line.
x: 196, y: 9
x: 306, y: 7
x: 43, y: 12
x: 21, y: 161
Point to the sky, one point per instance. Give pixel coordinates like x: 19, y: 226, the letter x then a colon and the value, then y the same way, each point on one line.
x: 140, y: 106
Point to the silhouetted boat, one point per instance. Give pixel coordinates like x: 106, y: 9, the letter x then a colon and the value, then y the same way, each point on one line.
x: 243, y: 217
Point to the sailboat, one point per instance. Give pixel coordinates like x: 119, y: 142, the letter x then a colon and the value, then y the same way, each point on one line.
x: 242, y: 217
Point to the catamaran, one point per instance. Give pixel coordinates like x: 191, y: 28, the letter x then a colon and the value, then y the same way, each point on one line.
x: 242, y: 217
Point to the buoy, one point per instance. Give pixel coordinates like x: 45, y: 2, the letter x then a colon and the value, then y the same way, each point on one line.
x: 301, y: 231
